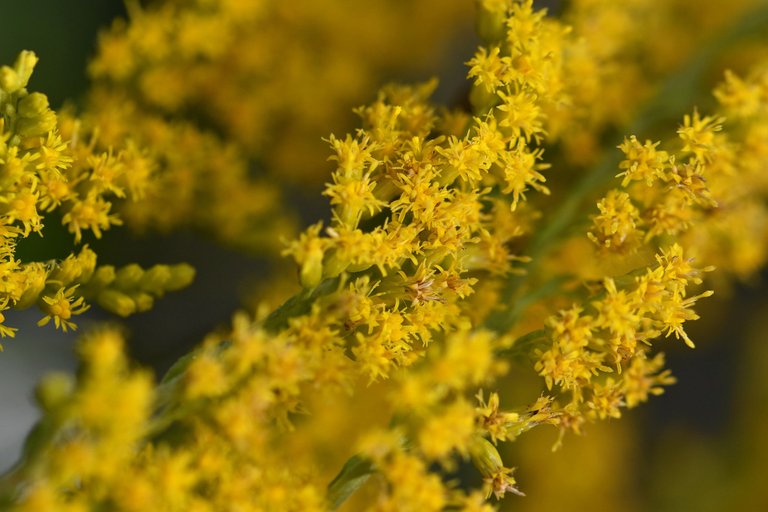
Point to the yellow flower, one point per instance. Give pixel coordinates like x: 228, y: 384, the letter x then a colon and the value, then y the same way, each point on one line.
x: 643, y: 162
x: 522, y: 114
x: 93, y: 213
x: 489, y: 69
x: 5, y: 331
x: 498, y: 424
x: 61, y: 306
x: 521, y: 170
x: 699, y: 135
x: 616, y: 228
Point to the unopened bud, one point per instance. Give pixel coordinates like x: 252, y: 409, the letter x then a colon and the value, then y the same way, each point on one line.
x: 9, y: 80
x: 481, y: 99
x: 39, y: 125
x: 143, y: 301
x: 35, y: 284
x: 485, y: 457
x: 102, y: 277
x: 24, y: 66
x: 490, y: 22
x: 181, y: 276
x: 33, y: 105
x: 155, y: 279
x: 116, y: 302
x: 128, y: 277
x: 312, y: 269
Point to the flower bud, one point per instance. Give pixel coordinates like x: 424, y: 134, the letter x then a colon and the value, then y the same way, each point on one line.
x: 36, y: 126
x: 116, y: 302
x: 181, y: 276
x: 9, y: 80
x: 102, y: 277
x: 128, y: 277
x: 312, y: 269
x: 481, y: 99
x: 36, y: 276
x: 155, y: 279
x: 24, y: 66
x: 143, y: 301
x: 33, y: 105
x: 485, y: 457
x: 490, y: 22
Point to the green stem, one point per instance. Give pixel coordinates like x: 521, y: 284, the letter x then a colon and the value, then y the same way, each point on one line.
x: 523, y: 345
x: 502, y: 320
x: 299, y: 304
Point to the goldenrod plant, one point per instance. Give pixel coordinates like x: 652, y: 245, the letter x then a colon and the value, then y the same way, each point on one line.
x: 50, y: 165
x: 231, y: 99
x: 513, y: 262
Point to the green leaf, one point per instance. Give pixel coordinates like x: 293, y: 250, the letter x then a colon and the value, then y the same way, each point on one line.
x: 299, y: 304
x: 352, y: 476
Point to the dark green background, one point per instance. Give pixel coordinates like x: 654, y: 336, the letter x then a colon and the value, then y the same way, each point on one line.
x: 62, y: 33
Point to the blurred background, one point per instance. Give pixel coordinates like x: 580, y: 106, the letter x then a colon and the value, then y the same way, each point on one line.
x: 700, y: 446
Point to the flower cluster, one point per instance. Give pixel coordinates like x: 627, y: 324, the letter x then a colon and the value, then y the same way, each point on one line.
x: 462, y: 293
x: 48, y: 164
x: 706, y: 190
x: 196, y: 84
